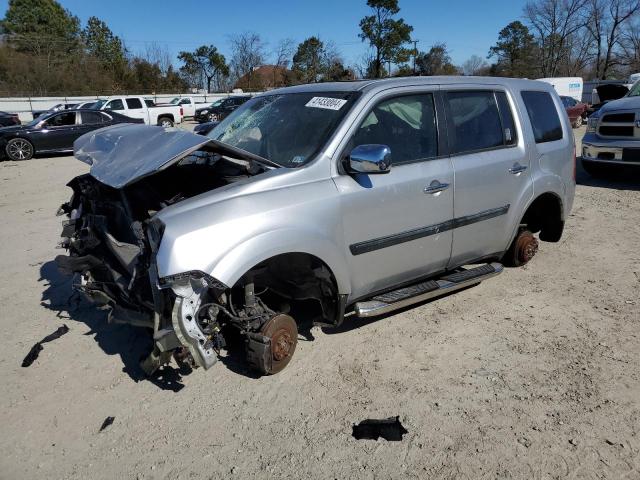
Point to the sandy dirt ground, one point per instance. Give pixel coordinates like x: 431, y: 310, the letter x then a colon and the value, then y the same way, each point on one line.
x: 534, y: 374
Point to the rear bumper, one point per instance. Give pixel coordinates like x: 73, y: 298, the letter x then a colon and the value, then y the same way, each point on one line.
x: 614, y: 151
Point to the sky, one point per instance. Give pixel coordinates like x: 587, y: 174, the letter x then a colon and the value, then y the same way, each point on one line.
x: 468, y: 27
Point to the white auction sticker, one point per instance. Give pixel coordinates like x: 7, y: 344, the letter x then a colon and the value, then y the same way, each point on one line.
x: 326, y: 102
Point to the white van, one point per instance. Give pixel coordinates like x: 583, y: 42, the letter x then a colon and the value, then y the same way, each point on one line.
x: 566, y: 86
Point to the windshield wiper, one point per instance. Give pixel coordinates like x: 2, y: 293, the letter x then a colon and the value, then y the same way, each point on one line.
x: 245, y: 154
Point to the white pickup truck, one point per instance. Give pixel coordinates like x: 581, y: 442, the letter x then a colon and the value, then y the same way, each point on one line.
x: 138, y: 107
x: 188, y: 104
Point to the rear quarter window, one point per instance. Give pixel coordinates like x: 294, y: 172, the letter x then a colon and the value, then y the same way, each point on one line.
x: 544, y: 117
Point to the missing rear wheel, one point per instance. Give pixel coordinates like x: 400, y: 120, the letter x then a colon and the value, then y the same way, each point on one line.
x: 522, y: 249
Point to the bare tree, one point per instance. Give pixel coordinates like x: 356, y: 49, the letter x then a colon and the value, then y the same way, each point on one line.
x: 247, y: 53
x: 553, y: 23
x: 283, y: 52
x: 158, y: 54
x: 630, y: 47
x: 606, y: 23
x: 474, y: 65
x: 365, y: 64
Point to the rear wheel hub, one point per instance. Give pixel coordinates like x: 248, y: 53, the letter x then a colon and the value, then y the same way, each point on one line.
x: 526, y: 247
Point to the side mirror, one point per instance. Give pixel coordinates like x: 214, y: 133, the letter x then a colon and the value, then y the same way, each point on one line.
x: 370, y: 159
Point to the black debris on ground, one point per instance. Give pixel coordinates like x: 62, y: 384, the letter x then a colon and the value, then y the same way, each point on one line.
x: 107, y: 421
x: 389, y: 428
x: 37, y: 348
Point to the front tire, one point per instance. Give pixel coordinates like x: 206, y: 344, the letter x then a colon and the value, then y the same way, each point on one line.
x: 165, y: 122
x: 19, y: 149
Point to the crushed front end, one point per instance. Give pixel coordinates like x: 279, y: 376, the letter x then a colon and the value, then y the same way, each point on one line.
x: 114, y: 234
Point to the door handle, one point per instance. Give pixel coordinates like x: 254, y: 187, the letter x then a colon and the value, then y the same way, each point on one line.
x: 435, y: 187
x: 517, y: 168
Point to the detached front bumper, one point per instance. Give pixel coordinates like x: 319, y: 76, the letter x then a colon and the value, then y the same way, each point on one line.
x: 613, y: 151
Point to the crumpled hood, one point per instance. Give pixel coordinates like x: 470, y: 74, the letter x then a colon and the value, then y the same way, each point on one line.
x: 626, y: 103
x: 122, y: 154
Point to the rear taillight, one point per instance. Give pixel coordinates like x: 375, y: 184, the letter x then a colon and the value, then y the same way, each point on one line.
x: 181, y: 112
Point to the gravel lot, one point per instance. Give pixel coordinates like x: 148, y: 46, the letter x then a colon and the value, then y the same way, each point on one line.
x: 533, y: 374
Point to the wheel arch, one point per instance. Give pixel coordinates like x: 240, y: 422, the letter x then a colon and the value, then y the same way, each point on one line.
x: 545, y: 214
x: 166, y: 115
x: 247, y: 255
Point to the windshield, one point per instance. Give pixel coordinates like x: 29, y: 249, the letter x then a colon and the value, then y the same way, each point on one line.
x: 35, y: 121
x: 216, y: 103
x: 288, y: 129
x: 635, y: 90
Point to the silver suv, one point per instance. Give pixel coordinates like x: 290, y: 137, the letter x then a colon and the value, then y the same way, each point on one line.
x: 314, y: 203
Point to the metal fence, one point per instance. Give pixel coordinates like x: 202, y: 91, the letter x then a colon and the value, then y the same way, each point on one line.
x: 24, y: 106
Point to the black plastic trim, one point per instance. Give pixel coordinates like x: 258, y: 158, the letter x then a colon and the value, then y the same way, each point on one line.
x: 409, y: 235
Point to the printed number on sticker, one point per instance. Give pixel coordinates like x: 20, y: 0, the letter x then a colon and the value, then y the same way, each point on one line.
x: 326, y: 102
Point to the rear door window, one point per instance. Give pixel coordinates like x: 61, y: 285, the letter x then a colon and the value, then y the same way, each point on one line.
x: 543, y: 115
x: 133, y: 103
x: 476, y: 121
x: 62, y: 120
x: 407, y: 125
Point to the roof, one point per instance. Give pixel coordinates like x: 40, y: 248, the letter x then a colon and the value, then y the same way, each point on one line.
x: 382, y: 84
x: 264, y: 76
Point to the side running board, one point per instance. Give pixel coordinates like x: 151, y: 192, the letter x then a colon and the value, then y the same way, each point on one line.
x: 419, y: 292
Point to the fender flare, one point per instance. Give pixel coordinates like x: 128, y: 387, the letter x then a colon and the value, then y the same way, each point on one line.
x: 238, y: 261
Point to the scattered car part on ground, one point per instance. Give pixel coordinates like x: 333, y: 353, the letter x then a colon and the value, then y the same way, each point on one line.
x: 107, y: 423
x: 219, y: 109
x: 613, y: 135
x: 9, y: 119
x: 54, y: 132
x: 33, y: 354
x: 287, y: 210
x: 389, y: 428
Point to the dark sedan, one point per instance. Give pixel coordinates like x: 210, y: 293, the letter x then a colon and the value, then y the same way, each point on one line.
x: 205, y: 128
x: 219, y: 109
x: 55, y: 132
x: 9, y: 119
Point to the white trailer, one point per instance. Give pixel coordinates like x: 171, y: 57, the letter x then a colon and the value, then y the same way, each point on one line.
x: 566, y: 86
